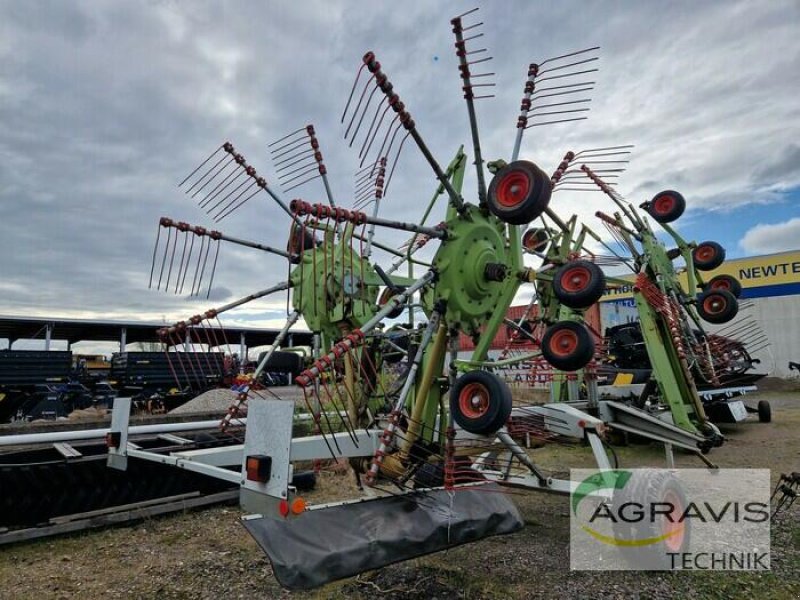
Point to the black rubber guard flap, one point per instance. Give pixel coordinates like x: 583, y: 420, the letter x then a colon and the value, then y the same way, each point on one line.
x: 327, y: 544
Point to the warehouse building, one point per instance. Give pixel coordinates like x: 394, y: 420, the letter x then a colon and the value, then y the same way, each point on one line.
x: 769, y: 309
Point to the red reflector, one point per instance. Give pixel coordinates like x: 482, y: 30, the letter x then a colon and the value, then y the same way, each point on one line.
x: 581, y: 423
x: 258, y: 468
x: 283, y: 508
x: 113, y: 439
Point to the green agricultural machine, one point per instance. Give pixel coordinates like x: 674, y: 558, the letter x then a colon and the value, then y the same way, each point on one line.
x: 436, y: 439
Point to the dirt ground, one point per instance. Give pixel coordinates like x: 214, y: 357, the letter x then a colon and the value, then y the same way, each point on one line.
x: 207, y: 554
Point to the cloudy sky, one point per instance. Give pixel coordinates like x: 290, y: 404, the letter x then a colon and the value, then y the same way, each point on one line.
x: 106, y: 106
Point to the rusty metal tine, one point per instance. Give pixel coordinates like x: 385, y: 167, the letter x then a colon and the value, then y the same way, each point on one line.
x: 564, y: 93
x: 391, y: 142
x: 228, y: 195
x: 472, y: 37
x: 566, y: 66
x: 164, y: 260
x: 291, y: 158
x: 238, y: 205
x: 210, y: 179
x: 171, y: 261
x: 555, y: 58
x: 213, y: 271
x: 385, y: 139
x: 300, y: 163
x: 539, y: 90
x: 211, y: 170
x: 365, y: 152
x: 593, y: 150
x: 285, y: 137
x: 469, y: 12
x: 189, y: 176
x: 289, y: 147
x: 480, y: 60
x: 188, y: 262
x: 183, y: 257
x: 396, y: 160
x: 383, y: 100
x: 197, y: 266
x: 565, y: 75
x: 555, y: 122
x: 481, y: 75
x: 303, y: 164
x: 297, y: 185
x: 352, y: 91
x: 155, y: 252
x: 559, y: 112
x: 358, y: 106
x: 202, y: 270
x: 227, y: 206
x: 472, y: 26
x: 554, y: 104
x: 364, y: 114
x: 308, y: 169
x: 220, y: 186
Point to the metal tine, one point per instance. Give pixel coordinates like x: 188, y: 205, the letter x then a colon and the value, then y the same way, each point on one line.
x: 212, y: 178
x: 352, y: 91
x: 228, y: 210
x: 556, y: 121
x: 219, y: 218
x: 371, y: 135
x: 555, y: 58
x: 155, y: 253
x: 363, y: 170
x: 164, y: 260
x: 196, y: 292
x: 302, y: 182
x: 183, y: 258
x: 358, y: 106
x: 364, y: 114
x: 197, y: 265
x: 213, y: 270
x: 221, y: 186
x: 393, y: 129
x: 469, y: 12
x: 231, y: 193
x: 207, y: 173
x: 605, y: 149
x: 566, y: 93
x: 290, y: 147
x: 289, y: 160
x: 188, y: 262
x: 565, y: 75
x: 288, y: 135
x: 573, y: 64
x: 559, y: 112
x: 555, y: 104
x: 563, y: 87
x: 396, y: 160
x: 299, y: 166
x: 189, y: 176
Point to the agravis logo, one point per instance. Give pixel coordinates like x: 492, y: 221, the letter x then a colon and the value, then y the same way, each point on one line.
x: 649, y: 518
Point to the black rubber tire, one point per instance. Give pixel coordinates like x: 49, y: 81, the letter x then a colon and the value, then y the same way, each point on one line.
x: 570, y: 359
x: 724, y: 282
x: 708, y: 256
x: 673, y: 253
x: 764, y: 411
x: 666, y: 206
x: 480, y: 402
x: 519, y: 193
x: 535, y: 240
x: 648, y: 487
x: 717, y: 306
x: 579, y: 284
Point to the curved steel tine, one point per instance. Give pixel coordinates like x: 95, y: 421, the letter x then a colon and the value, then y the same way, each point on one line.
x: 189, y: 176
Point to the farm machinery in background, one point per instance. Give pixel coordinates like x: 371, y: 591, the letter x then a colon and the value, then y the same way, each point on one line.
x: 427, y: 433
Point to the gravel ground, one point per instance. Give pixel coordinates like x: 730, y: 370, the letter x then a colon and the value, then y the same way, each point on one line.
x: 207, y: 554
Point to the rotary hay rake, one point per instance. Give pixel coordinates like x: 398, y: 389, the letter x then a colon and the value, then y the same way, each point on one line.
x: 433, y: 439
